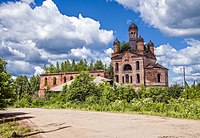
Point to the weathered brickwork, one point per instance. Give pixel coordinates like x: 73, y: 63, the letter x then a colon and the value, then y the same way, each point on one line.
x: 137, y: 65
x: 55, y: 79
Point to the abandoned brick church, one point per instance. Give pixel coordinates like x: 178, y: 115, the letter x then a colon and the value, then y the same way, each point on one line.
x: 137, y: 64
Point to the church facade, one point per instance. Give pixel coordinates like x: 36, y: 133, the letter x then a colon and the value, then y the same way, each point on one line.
x: 135, y: 64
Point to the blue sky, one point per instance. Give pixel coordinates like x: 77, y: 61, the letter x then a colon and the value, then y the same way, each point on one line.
x: 114, y: 16
x: 38, y: 32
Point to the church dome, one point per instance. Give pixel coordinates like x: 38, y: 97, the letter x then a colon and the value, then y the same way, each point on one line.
x: 132, y: 26
x: 150, y: 43
x: 116, y: 42
x: 140, y: 39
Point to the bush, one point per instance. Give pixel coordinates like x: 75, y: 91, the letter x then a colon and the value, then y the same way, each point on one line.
x: 81, y: 88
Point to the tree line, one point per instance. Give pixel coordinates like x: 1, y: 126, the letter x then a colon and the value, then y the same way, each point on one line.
x: 82, y: 65
x: 12, y: 90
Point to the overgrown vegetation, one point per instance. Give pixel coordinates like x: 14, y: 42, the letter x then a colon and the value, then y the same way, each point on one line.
x: 83, y: 94
x: 124, y: 46
x: 6, y: 87
x: 12, y: 129
x: 173, y: 101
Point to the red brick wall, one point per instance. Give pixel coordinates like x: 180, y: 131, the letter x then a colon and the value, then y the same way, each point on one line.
x: 60, y: 78
x: 152, y: 79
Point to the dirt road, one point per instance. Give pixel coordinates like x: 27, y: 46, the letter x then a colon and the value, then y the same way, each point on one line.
x: 53, y: 123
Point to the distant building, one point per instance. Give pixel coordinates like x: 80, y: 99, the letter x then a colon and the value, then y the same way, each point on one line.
x: 49, y: 81
x: 136, y: 64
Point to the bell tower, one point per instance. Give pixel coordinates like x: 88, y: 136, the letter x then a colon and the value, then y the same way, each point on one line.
x: 133, y: 32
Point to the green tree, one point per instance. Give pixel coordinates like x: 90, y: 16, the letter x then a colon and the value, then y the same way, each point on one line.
x: 126, y: 93
x: 57, y: 67
x: 91, y: 66
x: 85, y: 64
x: 51, y: 69
x: 98, y: 65
x: 124, y: 46
x: 68, y: 66
x: 6, y: 88
x: 110, y: 70
x: 107, y: 92
x: 82, y: 89
x: 80, y: 66
x: 21, y: 86
x: 62, y: 67
x: 34, y: 84
x: 74, y: 66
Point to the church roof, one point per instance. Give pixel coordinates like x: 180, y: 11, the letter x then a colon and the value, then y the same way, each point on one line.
x: 150, y: 43
x: 140, y: 39
x: 116, y: 42
x: 157, y: 65
x: 132, y: 26
x: 120, y: 55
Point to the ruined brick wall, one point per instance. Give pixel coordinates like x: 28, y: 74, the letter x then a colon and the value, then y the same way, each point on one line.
x: 148, y: 61
x: 151, y: 76
x: 61, y: 77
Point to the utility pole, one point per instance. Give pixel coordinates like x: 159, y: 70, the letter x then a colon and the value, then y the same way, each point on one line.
x: 184, y: 77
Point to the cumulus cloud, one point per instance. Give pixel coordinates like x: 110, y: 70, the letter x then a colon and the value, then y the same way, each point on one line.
x: 85, y: 53
x: 41, y: 34
x: 38, y: 70
x: 20, y: 67
x: 173, y: 17
x: 28, y: 1
x: 175, y: 60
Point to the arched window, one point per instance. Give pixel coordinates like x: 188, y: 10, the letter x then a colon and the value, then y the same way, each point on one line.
x: 158, y: 77
x: 117, y: 78
x: 131, y: 34
x: 45, y: 82
x: 65, y: 79
x: 138, y: 78
x: 127, y: 67
x: 71, y: 78
x: 127, y: 78
x: 116, y: 67
x: 131, y: 79
x: 54, y: 80
x: 123, y: 80
x: 134, y: 35
x: 137, y: 65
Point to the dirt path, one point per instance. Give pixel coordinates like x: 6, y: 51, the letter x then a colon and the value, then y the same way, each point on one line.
x: 53, y: 123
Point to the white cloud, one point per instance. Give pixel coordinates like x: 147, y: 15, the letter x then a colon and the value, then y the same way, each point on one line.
x: 28, y: 1
x: 85, y: 53
x: 109, y: 51
x: 41, y: 34
x: 173, y: 17
x: 38, y: 70
x: 20, y: 67
x: 175, y: 60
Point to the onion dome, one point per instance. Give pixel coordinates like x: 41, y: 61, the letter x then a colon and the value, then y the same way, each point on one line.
x: 150, y: 43
x: 116, y: 42
x: 140, y: 39
x: 133, y: 26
